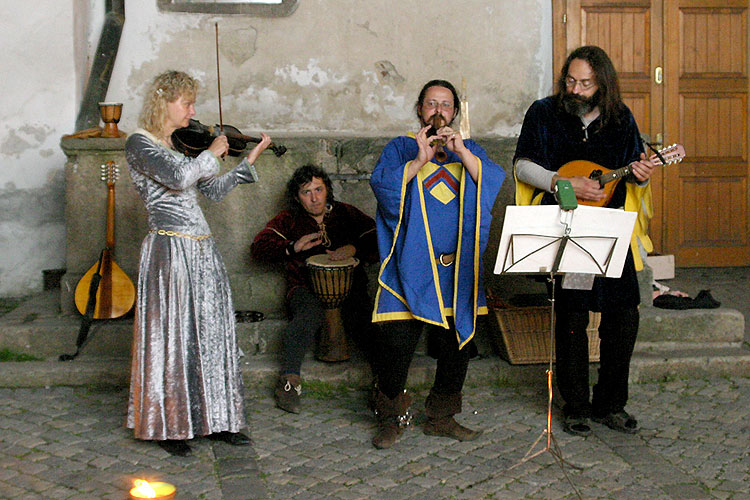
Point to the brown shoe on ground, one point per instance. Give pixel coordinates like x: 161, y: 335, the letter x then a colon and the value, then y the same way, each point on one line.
x: 388, y: 433
x: 393, y: 417
x: 448, y: 427
x: 287, y: 392
x: 440, y: 410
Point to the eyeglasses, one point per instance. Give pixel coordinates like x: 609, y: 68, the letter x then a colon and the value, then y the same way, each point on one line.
x: 431, y: 104
x: 586, y: 84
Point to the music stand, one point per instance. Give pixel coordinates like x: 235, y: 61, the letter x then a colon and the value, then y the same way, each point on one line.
x: 550, y: 241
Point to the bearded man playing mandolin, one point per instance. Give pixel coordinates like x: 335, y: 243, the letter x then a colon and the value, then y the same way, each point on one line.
x: 587, y: 120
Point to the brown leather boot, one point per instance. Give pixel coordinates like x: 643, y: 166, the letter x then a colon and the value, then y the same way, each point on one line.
x: 393, y: 417
x: 287, y: 392
x: 440, y: 409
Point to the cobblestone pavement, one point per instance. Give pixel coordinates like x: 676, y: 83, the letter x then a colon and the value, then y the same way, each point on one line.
x: 695, y: 444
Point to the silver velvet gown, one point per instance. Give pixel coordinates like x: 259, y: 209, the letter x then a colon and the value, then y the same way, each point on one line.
x: 185, y: 374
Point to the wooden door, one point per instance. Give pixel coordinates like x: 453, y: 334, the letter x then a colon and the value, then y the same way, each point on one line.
x: 683, y: 71
x: 706, y: 98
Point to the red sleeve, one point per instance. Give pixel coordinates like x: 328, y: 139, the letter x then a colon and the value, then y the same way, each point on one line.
x: 271, y: 243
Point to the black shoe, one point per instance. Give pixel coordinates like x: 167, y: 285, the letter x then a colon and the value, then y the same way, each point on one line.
x: 577, y: 426
x: 233, y: 438
x: 704, y: 300
x: 175, y: 447
x: 619, y: 421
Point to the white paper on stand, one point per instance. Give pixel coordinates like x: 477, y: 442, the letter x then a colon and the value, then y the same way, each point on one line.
x: 598, y: 240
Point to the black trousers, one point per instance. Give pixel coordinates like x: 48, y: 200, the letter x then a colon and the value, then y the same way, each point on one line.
x: 397, y: 343
x: 307, y: 317
x: 617, y: 332
x: 617, y: 299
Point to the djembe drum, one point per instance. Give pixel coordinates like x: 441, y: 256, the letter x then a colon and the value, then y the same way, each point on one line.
x: 331, y: 281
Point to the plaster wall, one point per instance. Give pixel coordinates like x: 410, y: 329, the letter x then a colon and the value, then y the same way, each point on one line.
x: 344, y: 66
x: 39, y: 92
x: 334, y: 69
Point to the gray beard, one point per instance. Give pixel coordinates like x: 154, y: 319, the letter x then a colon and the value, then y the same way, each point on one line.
x: 578, y: 106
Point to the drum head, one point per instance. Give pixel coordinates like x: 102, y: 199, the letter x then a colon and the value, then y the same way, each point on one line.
x: 323, y: 260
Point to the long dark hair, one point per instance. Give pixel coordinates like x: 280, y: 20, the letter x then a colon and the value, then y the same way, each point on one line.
x: 302, y: 176
x: 438, y: 83
x: 610, y: 103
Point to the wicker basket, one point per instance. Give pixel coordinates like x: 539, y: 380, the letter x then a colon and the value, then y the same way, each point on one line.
x: 525, y: 334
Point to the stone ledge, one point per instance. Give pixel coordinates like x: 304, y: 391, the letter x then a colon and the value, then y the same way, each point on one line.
x: 671, y: 344
x: 260, y: 371
x: 690, y: 363
x: 691, y: 325
x: 37, y: 327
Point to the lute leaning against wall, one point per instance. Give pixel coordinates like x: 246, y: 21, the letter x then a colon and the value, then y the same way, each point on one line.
x: 115, y: 293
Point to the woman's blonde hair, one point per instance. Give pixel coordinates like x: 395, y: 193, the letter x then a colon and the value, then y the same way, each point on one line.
x: 167, y: 87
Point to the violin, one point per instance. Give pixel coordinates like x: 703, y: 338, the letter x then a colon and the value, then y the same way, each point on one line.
x: 196, y: 138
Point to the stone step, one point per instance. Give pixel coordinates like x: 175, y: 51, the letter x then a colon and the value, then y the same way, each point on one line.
x: 671, y: 344
x: 260, y: 371
x: 663, y: 365
x: 722, y: 325
x: 38, y: 328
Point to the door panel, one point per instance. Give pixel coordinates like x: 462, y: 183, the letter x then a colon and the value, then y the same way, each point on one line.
x: 606, y: 26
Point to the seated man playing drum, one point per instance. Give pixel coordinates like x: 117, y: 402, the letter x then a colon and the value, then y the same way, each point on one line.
x: 316, y: 225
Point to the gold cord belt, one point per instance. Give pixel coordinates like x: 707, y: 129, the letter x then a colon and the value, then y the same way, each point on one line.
x: 164, y: 232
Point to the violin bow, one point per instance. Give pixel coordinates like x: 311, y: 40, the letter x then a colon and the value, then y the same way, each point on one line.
x: 218, y: 78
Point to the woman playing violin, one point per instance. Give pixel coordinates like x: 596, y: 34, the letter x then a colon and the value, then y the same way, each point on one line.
x: 185, y: 378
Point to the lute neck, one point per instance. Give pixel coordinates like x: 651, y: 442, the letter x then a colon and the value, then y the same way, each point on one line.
x: 111, y: 217
x: 614, y: 175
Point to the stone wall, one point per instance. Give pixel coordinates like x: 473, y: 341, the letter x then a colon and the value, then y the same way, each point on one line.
x: 238, y: 218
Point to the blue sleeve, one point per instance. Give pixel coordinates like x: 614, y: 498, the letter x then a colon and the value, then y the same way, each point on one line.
x: 492, y: 179
x: 635, y: 145
x: 534, y: 141
x: 388, y: 176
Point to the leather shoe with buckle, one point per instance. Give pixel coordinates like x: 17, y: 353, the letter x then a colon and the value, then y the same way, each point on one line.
x: 233, y: 438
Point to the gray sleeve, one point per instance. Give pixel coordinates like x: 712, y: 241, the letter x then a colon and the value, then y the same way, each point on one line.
x: 217, y: 187
x: 533, y: 174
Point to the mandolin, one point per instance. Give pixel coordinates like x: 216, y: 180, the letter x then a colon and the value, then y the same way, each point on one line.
x: 115, y: 293
x: 607, y: 178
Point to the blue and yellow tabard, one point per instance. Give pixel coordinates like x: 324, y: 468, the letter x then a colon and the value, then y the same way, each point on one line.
x: 442, y: 211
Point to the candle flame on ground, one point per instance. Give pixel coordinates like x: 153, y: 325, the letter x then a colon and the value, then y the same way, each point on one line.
x: 144, y: 489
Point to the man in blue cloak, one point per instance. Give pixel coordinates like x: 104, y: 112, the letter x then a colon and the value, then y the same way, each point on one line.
x: 435, y: 191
